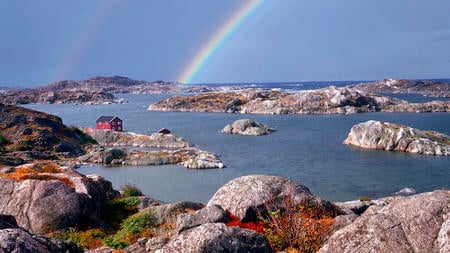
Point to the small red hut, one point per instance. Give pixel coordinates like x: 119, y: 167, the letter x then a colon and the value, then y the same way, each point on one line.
x: 109, y: 123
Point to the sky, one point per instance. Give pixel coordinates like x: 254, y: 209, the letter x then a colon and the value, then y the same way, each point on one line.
x: 274, y: 41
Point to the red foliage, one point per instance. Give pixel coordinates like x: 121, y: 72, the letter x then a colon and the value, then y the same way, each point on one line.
x: 257, y: 226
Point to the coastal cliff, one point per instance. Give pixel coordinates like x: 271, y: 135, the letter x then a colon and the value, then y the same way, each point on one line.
x: 394, y: 137
x: 329, y: 100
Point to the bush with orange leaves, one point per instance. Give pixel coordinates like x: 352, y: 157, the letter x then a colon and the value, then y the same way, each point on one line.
x: 296, y: 227
x: 291, y: 226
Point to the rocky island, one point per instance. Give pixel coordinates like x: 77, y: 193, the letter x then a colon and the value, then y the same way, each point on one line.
x: 394, y: 137
x: 425, y: 87
x: 95, y: 90
x: 329, y: 100
x: 247, y: 127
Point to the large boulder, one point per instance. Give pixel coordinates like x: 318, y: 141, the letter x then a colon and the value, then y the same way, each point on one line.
x: 52, y: 201
x: 419, y: 223
x: 246, y: 196
x: 394, y: 137
x: 247, y: 127
x: 217, y: 237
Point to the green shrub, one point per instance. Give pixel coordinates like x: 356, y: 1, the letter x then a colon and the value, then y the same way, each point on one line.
x: 3, y: 140
x: 88, y: 239
x: 130, y: 190
x: 132, y: 228
x: 87, y: 139
x: 130, y: 201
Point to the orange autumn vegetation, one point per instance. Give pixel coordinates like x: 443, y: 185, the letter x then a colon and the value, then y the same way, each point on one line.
x: 257, y: 226
x: 290, y: 226
x: 39, y: 171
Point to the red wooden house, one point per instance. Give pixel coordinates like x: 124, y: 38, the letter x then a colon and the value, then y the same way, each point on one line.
x: 109, y: 123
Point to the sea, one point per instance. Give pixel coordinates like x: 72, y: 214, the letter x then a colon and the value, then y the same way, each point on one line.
x: 305, y: 148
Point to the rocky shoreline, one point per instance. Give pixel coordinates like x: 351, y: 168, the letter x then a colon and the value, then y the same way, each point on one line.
x: 416, y: 223
x: 329, y: 100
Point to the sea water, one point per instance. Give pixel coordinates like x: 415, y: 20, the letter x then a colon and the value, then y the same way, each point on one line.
x: 305, y: 148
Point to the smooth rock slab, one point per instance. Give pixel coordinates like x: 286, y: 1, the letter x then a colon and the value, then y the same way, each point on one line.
x: 419, y: 223
x: 394, y: 137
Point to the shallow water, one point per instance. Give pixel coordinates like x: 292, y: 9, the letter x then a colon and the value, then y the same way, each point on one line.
x: 305, y: 148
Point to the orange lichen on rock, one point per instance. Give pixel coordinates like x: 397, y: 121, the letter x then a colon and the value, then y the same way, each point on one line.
x: 40, y: 171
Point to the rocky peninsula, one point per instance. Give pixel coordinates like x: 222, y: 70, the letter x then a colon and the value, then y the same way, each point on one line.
x: 155, y: 149
x: 247, y: 127
x: 428, y: 88
x: 394, y: 137
x: 329, y: 100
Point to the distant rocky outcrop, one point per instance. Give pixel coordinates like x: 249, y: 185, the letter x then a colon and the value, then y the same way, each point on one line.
x: 18, y: 240
x: 45, y: 197
x: 95, y: 90
x: 247, y: 127
x: 426, y: 87
x: 156, y: 149
x: 27, y: 135
x: 329, y: 100
x: 395, y: 137
x: 419, y: 223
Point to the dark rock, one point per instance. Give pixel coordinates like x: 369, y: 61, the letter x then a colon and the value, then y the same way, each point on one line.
x: 217, y: 237
x: 353, y: 207
x: 7, y: 221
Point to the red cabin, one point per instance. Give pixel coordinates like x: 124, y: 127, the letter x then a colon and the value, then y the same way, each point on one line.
x: 109, y: 123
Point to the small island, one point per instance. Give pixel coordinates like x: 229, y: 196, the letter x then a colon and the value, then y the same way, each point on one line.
x: 247, y: 127
x: 394, y: 137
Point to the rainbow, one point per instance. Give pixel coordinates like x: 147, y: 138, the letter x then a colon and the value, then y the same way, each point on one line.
x: 84, y: 40
x: 218, y: 39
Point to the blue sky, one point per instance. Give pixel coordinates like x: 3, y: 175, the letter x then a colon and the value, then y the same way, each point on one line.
x: 290, y: 40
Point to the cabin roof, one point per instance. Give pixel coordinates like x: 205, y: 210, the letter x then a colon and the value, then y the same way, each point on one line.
x: 106, y: 118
